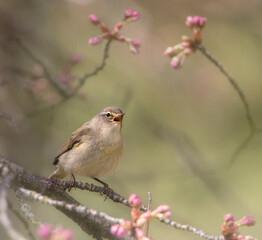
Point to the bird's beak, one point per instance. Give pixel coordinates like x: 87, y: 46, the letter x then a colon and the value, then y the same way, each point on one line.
x: 119, y: 117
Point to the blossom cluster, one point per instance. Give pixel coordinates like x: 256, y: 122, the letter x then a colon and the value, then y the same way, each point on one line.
x: 129, y: 16
x: 46, y: 232
x: 180, y: 51
x: 139, y: 220
x: 230, y: 227
x: 66, y: 77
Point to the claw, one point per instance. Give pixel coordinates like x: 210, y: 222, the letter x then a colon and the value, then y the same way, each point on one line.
x: 72, y: 182
x: 106, y: 189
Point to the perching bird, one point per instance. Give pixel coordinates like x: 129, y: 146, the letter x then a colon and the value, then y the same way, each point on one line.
x: 94, y: 149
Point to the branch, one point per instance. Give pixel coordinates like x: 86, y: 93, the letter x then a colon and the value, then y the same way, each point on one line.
x: 62, y: 89
x: 96, y: 226
x: 252, y: 126
x: 234, y: 85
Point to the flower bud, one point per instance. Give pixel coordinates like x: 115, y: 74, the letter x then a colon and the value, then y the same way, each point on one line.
x: 93, y: 19
x: 135, y: 43
x: 94, y: 40
x: 44, y: 231
x: 139, y: 233
x: 228, y: 217
x: 247, y: 221
x: 190, y: 21
x: 118, y: 230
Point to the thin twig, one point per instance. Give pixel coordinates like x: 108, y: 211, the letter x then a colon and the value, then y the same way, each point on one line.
x: 252, y: 126
x: 25, y: 223
x: 191, y: 229
x: 149, y: 208
x: 234, y: 85
x: 81, y: 81
x: 4, y: 219
x: 62, y: 89
x: 96, y: 70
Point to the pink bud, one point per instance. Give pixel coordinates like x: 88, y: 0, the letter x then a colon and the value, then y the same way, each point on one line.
x: 196, y: 20
x: 247, y: 221
x: 121, y: 232
x: 228, y: 217
x: 190, y: 21
x: 188, y: 51
x: 241, y: 237
x: 186, y: 38
x: 115, y: 228
x: 169, y: 51
x: 128, y: 13
x: 139, y: 233
x: 133, y: 49
x: 121, y: 38
x: 94, y: 40
x: 131, y: 14
x: 128, y: 225
x: 118, y: 26
x: 135, y: 43
x: 161, y: 209
x: 202, y: 22
x: 185, y: 44
x: 76, y: 58
x: 176, y: 62
x: 44, y: 231
x: 64, y: 78
x: 118, y: 230
x: 93, y: 19
x: 104, y: 28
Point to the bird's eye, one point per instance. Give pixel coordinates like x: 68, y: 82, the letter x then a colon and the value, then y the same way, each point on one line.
x: 108, y: 114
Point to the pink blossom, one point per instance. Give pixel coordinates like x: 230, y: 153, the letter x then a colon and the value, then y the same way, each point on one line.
x: 228, y: 217
x: 64, y: 78
x: 131, y: 14
x: 94, y: 19
x: 135, y: 43
x: 44, y: 231
x: 94, y: 40
x: 161, y: 209
x: 133, y: 49
x: 63, y: 234
x: 121, y: 38
x: 134, y: 201
x: 190, y: 21
x: 118, y: 230
x: 139, y: 233
x: 176, y: 62
x: 247, y: 221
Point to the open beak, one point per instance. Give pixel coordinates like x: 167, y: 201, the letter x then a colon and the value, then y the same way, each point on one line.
x: 119, y: 117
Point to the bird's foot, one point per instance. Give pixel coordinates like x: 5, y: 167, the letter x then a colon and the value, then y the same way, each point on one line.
x: 106, y: 190
x: 72, y: 182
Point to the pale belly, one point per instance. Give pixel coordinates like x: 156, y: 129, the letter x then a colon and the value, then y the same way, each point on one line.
x: 90, y: 161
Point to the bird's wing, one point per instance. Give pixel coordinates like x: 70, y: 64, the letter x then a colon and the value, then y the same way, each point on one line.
x: 74, y: 141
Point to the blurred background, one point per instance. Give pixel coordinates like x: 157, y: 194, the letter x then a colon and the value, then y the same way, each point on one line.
x: 181, y: 128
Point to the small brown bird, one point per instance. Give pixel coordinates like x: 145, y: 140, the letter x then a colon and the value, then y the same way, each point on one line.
x: 94, y: 149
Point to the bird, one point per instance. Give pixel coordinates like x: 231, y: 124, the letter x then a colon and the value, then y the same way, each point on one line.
x: 93, y: 150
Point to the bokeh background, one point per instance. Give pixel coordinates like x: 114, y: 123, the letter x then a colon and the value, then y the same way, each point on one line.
x: 181, y: 128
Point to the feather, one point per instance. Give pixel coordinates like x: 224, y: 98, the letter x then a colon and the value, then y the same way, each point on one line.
x: 74, y: 141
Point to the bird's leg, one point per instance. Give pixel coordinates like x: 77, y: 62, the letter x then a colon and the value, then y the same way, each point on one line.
x: 106, y: 189
x: 72, y: 182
